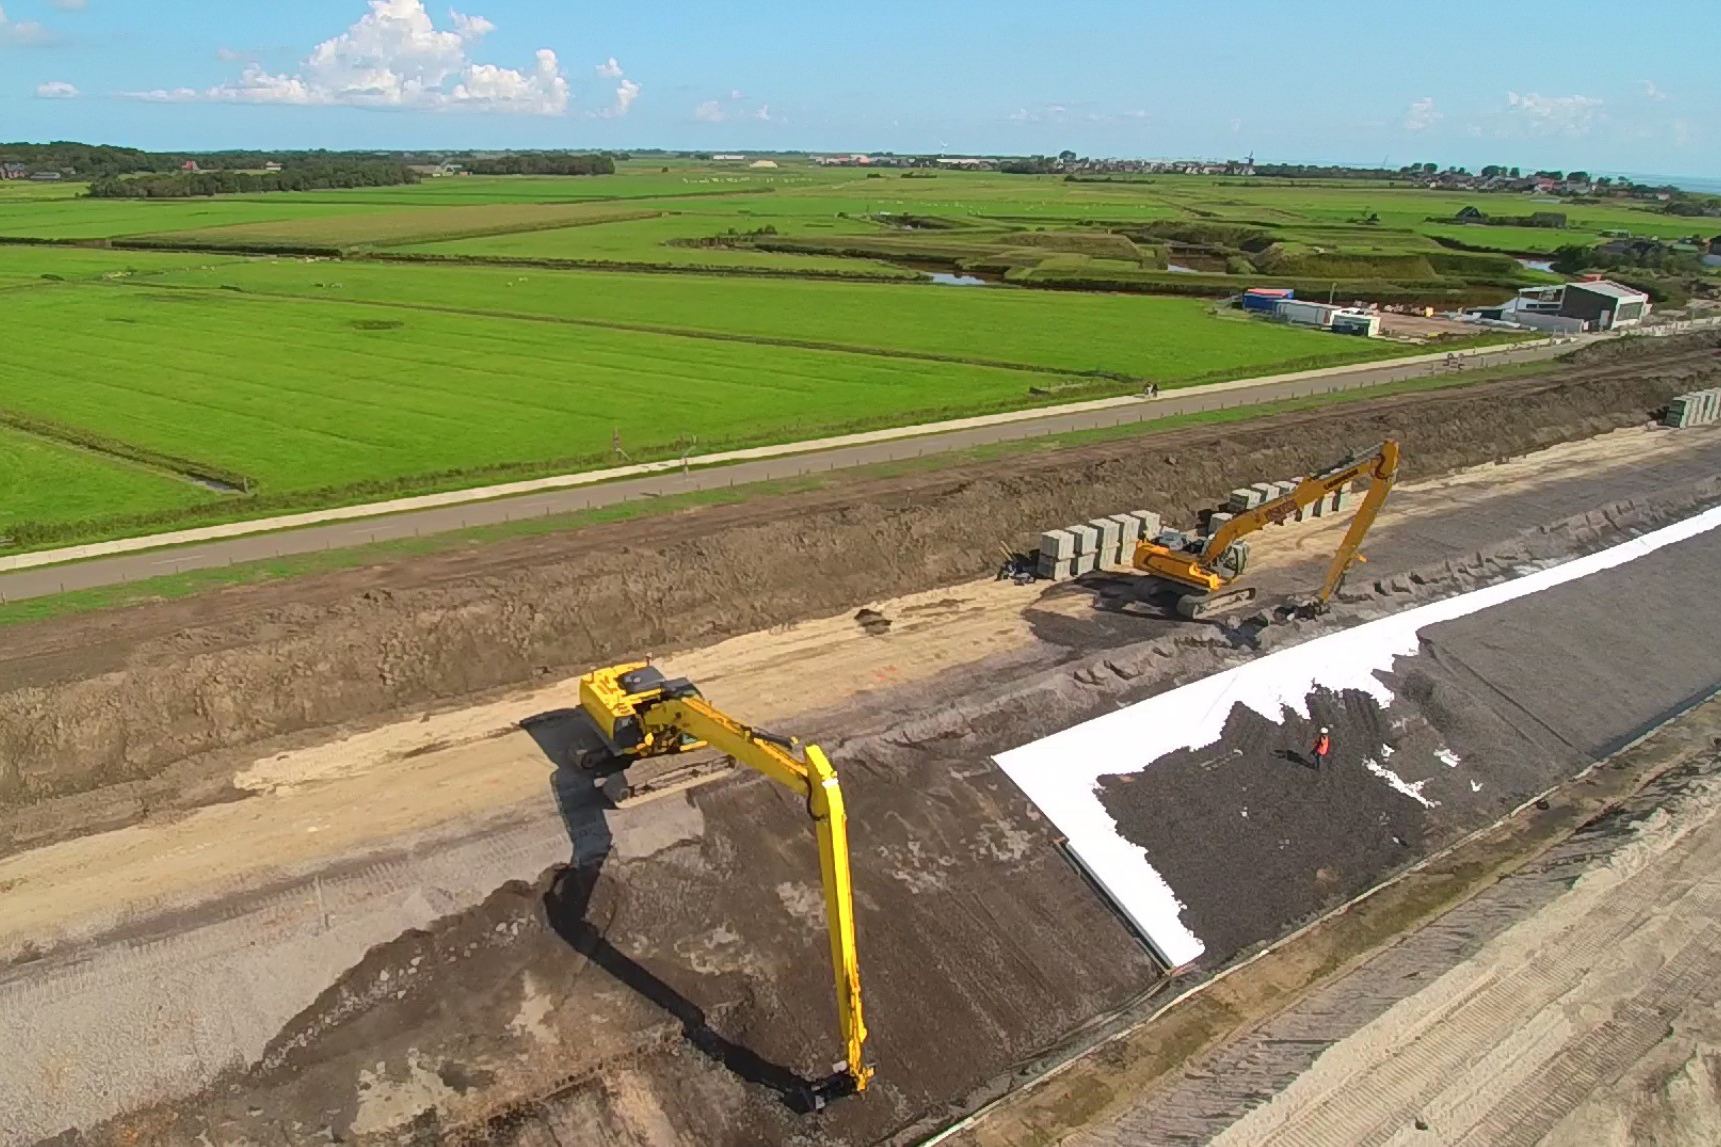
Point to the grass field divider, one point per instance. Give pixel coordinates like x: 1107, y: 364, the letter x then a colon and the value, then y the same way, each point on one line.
x: 624, y: 266
x: 519, y: 228
x: 188, y: 469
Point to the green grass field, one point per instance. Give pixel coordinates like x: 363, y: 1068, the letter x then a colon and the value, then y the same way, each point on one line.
x: 47, y: 481
x: 411, y: 365
x: 1165, y: 339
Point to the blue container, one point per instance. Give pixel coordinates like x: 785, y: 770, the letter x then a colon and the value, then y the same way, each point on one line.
x: 1265, y: 301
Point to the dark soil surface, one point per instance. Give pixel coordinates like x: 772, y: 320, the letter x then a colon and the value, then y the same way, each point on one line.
x: 684, y: 996
x: 115, y: 698
x: 1254, y: 840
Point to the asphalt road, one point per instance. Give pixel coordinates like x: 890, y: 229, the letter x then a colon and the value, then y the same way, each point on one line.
x: 47, y: 580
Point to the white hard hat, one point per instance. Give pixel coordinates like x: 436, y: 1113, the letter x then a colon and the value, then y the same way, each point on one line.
x: 1323, y: 728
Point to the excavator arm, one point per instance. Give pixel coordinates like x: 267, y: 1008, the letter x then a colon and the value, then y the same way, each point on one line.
x: 644, y: 715
x: 1381, y: 477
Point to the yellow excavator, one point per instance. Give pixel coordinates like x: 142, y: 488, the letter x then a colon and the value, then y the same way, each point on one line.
x: 1201, y: 570
x: 640, y: 714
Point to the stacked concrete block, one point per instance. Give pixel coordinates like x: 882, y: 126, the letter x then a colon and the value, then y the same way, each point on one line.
x: 1087, y: 548
x: 1243, y: 498
x: 1218, y: 519
x: 1267, y: 490
x: 1128, y: 534
x: 1103, y: 543
x: 1057, y: 555
x: 1110, y: 535
x: 1698, y: 408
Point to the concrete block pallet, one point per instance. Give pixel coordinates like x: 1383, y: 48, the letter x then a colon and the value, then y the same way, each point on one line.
x: 1698, y: 408
x: 1103, y: 543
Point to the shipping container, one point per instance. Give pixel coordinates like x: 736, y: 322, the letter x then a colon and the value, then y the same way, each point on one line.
x: 1305, y: 313
x: 1264, y: 299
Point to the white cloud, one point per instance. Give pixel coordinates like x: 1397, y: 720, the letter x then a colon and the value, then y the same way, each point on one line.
x: 626, y: 92
x: 166, y: 95
x: 1421, y: 115
x: 1553, y: 115
x: 735, y: 106
x: 56, y: 90
x: 610, y: 69
x: 395, y: 57
x: 71, y: 5
x: 1651, y: 92
x: 21, y: 31
x: 470, y: 28
x: 231, y: 55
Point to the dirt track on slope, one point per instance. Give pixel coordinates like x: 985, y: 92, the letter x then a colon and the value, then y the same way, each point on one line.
x: 115, y: 698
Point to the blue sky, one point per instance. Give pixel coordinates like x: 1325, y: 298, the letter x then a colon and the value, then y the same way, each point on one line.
x: 1608, y: 86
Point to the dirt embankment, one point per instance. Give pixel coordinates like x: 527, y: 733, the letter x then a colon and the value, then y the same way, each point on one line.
x: 116, y: 698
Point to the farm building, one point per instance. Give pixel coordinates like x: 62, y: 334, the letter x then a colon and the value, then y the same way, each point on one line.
x: 44, y: 177
x: 1604, y: 304
x: 1592, y: 304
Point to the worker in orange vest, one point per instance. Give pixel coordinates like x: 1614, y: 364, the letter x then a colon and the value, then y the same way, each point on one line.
x: 1323, y: 746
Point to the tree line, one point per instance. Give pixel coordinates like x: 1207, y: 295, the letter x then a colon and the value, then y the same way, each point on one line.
x: 311, y: 177
x: 543, y: 163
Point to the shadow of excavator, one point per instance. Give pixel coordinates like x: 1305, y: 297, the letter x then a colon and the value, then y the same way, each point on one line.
x: 567, y: 737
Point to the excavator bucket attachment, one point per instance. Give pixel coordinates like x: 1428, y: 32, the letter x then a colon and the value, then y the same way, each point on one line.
x: 840, y: 1084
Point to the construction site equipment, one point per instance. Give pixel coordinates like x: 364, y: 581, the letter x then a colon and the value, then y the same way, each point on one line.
x: 640, y: 714
x: 1202, y: 570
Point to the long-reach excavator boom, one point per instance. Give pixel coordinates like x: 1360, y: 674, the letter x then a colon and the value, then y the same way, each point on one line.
x: 1203, y: 571
x: 643, y: 714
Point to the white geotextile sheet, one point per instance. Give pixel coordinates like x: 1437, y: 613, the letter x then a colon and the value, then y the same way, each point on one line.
x: 1061, y: 773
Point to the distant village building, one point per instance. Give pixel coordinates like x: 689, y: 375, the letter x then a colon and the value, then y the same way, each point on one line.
x: 13, y: 171
x: 44, y: 177
x: 271, y: 166
x: 728, y: 157
x: 190, y: 167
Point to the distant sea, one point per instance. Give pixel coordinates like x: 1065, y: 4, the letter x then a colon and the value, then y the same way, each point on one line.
x: 1683, y: 182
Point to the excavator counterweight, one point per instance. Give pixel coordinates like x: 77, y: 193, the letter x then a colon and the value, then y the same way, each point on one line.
x: 1202, y: 570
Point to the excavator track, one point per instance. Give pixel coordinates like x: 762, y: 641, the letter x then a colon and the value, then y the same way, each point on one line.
x: 1197, y: 606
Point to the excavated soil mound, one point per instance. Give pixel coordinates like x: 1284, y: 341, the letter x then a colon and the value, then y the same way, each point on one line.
x: 113, y: 699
